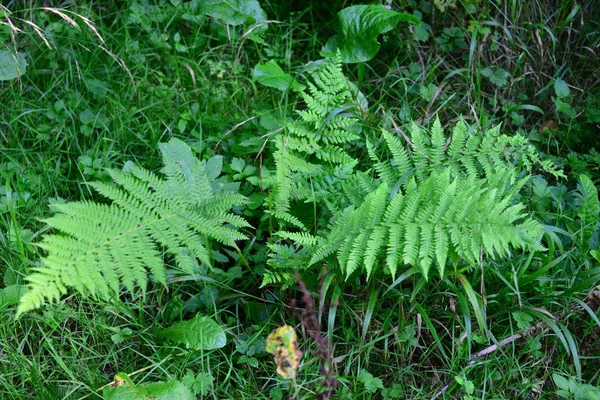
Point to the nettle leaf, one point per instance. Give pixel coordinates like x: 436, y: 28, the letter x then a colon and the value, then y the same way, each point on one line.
x: 123, y: 388
x: 561, y: 88
x: 270, y: 74
x: 200, y: 333
x: 359, y: 28
x: 12, y: 65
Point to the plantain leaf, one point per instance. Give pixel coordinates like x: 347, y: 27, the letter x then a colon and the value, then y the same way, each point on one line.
x: 359, y: 28
x: 12, y: 65
x: 200, y: 333
x: 270, y: 74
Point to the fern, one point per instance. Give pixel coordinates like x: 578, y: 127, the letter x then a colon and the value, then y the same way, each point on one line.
x: 313, y: 146
x: 487, y: 155
x: 438, y: 200
x: 434, y: 199
x: 284, y: 260
x: 97, y: 247
x: 440, y: 219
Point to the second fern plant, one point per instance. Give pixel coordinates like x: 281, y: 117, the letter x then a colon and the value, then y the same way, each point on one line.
x: 97, y: 247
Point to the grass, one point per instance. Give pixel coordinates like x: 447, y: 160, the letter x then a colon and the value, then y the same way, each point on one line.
x: 88, y: 102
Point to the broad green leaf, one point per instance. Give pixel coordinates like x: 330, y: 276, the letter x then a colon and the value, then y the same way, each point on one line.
x: 12, y: 65
x: 200, y: 333
x: 564, y: 107
x: 560, y: 382
x: 10, y: 277
x: 561, y: 88
x: 270, y: 74
x: 178, y: 151
x: 359, y: 28
x: 237, y: 164
x: 282, y: 343
x: 10, y: 295
x: 214, y: 166
x: 124, y: 389
x: 422, y: 32
x: 234, y: 12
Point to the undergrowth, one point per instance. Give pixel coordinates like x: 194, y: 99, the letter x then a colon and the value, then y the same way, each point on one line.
x: 406, y: 207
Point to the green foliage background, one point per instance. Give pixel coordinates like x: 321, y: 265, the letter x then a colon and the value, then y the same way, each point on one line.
x: 169, y: 166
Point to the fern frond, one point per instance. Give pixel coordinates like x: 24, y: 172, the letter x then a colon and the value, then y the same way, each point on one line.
x: 436, y: 221
x: 438, y: 143
x: 300, y: 238
x: 98, y: 247
x: 315, y: 145
x: 401, y: 161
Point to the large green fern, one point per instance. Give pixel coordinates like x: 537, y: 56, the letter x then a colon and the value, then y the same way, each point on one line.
x: 439, y: 199
x: 438, y: 220
x: 97, y: 247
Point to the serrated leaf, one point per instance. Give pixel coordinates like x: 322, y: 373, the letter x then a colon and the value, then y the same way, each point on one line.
x: 200, y: 333
x: 422, y: 32
x: 124, y: 389
x: 561, y: 88
x: 498, y: 76
x: 359, y: 28
x: 12, y: 65
x: 270, y: 74
x: 203, y: 383
x: 372, y: 384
